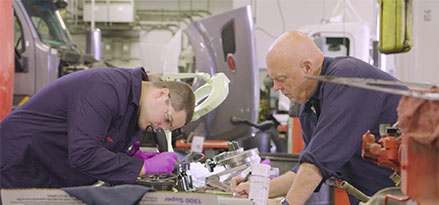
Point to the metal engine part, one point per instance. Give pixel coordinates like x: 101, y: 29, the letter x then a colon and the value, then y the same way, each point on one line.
x: 184, y: 181
x: 160, y: 182
x: 235, y: 162
x: 236, y: 158
x: 225, y: 155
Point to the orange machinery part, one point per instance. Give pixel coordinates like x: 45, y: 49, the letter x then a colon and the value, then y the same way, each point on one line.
x: 420, y: 171
x: 6, y: 58
x: 384, y: 152
x: 215, y: 144
x: 297, y: 144
x: 341, y: 198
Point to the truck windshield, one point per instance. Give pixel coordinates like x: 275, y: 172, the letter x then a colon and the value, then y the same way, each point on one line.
x: 48, y: 22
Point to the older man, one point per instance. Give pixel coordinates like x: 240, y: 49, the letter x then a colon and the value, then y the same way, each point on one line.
x: 333, y: 119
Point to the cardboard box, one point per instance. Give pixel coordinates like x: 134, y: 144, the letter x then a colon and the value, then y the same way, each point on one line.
x: 59, y: 197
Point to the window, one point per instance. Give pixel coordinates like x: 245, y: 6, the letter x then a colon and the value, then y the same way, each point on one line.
x: 42, y: 28
x: 336, y: 47
x: 47, y: 22
x: 228, y: 39
x: 20, y: 66
x: 18, y: 35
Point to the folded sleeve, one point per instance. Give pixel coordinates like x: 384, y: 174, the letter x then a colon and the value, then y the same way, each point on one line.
x: 295, y: 169
x: 346, y: 113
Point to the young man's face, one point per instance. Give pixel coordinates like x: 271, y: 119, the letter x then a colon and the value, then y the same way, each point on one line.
x: 160, y: 113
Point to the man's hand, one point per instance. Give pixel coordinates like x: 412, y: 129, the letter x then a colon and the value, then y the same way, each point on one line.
x: 273, y: 202
x: 307, y: 179
x: 241, y: 189
x: 144, y: 155
x: 161, y: 163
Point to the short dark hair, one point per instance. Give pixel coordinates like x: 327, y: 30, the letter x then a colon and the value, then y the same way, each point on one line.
x: 182, y: 95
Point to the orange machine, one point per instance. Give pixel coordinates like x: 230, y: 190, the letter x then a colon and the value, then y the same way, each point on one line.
x: 412, y: 152
x: 411, y: 149
x: 6, y: 58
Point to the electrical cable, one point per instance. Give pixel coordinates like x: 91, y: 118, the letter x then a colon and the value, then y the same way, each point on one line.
x: 281, y: 16
x: 324, y: 11
x: 200, y: 158
x: 185, y: 158
x: 190, y: 155
x: 282, y: 20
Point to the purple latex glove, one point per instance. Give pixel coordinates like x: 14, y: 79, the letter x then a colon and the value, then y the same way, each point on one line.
x: 144, y: 155
x: 266, y: 161
x: 161, y: 163
x: 134, y: 148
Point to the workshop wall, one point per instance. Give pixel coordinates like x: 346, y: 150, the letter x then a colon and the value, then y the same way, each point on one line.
x: 271, y: 18
x: 420, y: 64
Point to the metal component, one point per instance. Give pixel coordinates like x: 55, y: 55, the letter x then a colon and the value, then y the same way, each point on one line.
x: 390, y: 195
x: 386, y: 129
x: 210, y: 164
x: 395, y: 178
x: 99, y: 183
x: 168, y: 135
x: 383, y: 129
x: 225, y: 155
x: 261, y: 126
x: 93, y: 43
x: 354, y: 191
x: 161, y: 182
x: 232, y: 146
x: 184, y: 181
x: 239, y: 159
x: 154, y: 137
x: 169, y: 15
x: 377, y: 85
x: 290, y: 135
x: 214, y: 182
x: 235, y: 162
x: 61, y: 4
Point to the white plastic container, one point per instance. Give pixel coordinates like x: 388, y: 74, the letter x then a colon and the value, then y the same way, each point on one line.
x: 259, y: 184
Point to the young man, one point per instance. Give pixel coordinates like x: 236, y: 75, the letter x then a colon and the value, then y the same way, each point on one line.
x: 333, y: 119
x: 77, y: 130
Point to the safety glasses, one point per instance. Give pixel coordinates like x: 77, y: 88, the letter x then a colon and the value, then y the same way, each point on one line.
x: 168, y: 113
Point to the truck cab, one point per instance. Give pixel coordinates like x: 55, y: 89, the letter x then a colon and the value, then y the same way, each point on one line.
x: 44, y: 50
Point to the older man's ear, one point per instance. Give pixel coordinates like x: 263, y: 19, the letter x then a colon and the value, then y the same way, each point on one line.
x: 306, y: 66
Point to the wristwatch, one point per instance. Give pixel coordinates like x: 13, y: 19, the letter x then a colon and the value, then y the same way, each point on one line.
x: 284, y: 201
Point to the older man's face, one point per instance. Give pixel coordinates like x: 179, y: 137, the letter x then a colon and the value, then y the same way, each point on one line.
x: 290, y: 81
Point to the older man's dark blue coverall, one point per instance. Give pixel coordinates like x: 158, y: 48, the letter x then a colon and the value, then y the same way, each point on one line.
x: 334, y: 120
